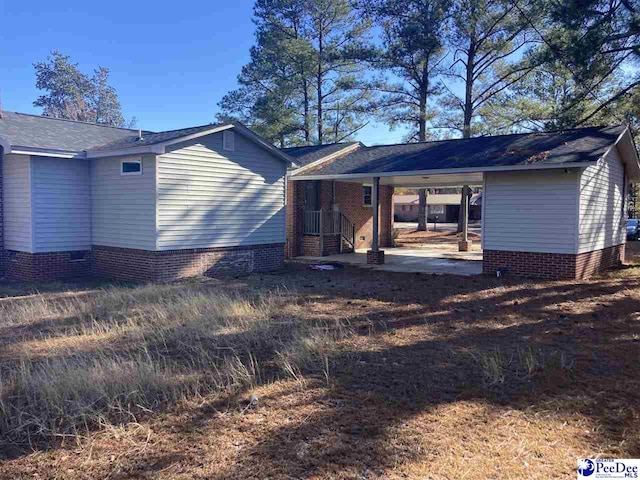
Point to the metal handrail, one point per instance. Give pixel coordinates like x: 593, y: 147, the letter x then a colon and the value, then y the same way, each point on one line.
x: 329, y: 222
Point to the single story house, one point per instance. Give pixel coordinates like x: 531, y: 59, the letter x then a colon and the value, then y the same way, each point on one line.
x: 441, y: 207
x: 80, y: 198
x: 552, y: 203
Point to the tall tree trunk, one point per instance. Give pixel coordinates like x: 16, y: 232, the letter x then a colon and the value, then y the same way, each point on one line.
x: 468, y: 91
x: 468, y: 112
x: 422, y: 210
x: 306, y: 119
x: 319, y: 87
x: 422, y: 114
x: 422, y: 120
x: 422, y: 136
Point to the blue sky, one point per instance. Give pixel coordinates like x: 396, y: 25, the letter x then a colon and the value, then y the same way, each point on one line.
x: 171, y: 62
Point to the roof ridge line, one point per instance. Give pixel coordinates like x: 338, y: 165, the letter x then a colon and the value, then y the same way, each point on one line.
x: 76, y: 121
x: 560, y: 130
x: 196, y: 126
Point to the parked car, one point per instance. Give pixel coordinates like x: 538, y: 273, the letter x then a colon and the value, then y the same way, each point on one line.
x: 633, y: 229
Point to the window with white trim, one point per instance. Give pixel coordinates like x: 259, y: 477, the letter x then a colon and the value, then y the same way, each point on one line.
x: 228, y: 141
x: 366, y: 195
x: 131, y: 167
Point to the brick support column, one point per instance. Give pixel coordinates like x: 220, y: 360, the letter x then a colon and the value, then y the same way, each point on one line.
x: 375, y: 258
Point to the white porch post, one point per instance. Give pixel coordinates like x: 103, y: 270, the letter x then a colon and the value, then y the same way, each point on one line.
x: 375, y: 256
x: 465, y: 243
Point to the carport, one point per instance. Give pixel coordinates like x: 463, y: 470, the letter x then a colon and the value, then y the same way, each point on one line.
x: 553, y: 203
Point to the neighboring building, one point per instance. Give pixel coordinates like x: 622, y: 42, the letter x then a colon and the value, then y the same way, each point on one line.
x: 441, y: 207
x: 80, y: 198
x: 552, y: 203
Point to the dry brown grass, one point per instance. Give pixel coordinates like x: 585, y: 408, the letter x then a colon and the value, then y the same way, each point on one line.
x: 323, y: 375
x: 85, y: 361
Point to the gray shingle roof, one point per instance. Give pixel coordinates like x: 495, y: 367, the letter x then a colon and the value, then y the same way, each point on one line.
x: 153, y: 138
x: 552, y: 148
x: 56, y: 134
x: 309, y: 154
x: 48, y: 133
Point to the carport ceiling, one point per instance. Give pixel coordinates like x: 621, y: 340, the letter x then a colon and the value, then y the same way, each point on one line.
x: 427, y: 181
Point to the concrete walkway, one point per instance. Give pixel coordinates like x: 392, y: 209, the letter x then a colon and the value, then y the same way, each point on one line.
x: 422, y: 260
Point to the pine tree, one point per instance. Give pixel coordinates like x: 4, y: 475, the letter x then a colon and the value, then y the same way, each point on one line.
x: 413, y: 34
x: 73, y: 95
x: 305, y: 82
x: 486, y: 34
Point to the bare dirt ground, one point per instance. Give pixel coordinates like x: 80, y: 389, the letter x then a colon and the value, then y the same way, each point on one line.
x: 443, y: 377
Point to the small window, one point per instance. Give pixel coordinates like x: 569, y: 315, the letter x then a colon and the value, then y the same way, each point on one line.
x: 12, y: 256
x: 131, y: 167
x: 366, y: 195
x: 78, y: 256
x: 228, y: 141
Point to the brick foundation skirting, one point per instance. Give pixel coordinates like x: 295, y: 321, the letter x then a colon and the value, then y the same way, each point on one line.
x: 552, y: 265
x: 28, y: 267
x: 133, y: 264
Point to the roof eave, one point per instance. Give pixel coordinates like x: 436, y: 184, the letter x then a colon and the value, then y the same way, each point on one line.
x: 629, y: 155
x: 343, y: 151
x: 145, y: 149
x: 443, y: 171
x: 160, y: 147
x: 43, y: 152
x: 262, y: 142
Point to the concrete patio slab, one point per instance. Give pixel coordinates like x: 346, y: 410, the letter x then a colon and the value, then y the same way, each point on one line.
x: 412, y: 260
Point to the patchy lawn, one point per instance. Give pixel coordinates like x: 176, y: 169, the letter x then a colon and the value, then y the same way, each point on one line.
x: 342, y: 374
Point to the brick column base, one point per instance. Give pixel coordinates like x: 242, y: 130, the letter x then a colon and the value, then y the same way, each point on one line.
x: 375, y: 258
x: 464, y: 246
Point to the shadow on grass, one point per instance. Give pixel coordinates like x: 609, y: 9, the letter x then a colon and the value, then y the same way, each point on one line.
x: 592, y: 325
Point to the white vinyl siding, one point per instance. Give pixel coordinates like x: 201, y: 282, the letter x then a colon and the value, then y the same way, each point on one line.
x: 601, y: 198
x: 534, y: 211
x: 61, y: 204
x: 208, y: 197
x: 123, y: 206
x: 16, y: 185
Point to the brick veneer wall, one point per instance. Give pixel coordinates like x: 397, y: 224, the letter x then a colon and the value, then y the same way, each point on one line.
x: 552, y: 265
x: 348, y: 198
x: 295, y: 218
x: 589, y: 263
x: 23, y: 266
x: 132, y: 264
x: 311, y: 245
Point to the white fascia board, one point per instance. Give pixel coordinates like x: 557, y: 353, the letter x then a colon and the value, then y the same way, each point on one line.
x: 43, y: 152
x: 339, y: 153
x: 160, y: 148
x: 156, y: 149
x: 443, y: 171
x: 629, y: 154
x: 246, y: 132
